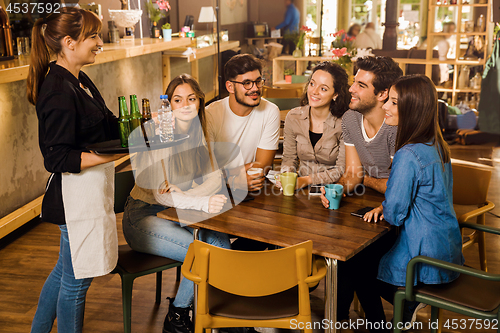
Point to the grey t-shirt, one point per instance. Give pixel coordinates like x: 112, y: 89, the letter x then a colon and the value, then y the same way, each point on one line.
x: 374, y: 153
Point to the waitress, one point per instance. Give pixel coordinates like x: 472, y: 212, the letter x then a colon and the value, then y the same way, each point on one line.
x: 79, y: 193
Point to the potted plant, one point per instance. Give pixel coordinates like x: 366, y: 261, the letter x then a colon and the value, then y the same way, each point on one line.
x: 167, y: 32
x: 155, y: 12
x: 298, y: 39
x: 288, y: 75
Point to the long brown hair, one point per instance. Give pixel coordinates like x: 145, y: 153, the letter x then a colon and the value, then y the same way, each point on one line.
x: 194, y: 133
x: 47, y: 36
x: 340, y: 86
x: 418, y: 114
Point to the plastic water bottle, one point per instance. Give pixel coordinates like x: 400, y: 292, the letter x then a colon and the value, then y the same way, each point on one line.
x: 165, y: 118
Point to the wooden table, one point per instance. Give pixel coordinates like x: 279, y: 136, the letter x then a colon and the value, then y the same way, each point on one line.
x: 285, y: 221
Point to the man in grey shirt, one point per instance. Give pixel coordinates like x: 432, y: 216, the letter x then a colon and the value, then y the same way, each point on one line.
x: 369, y: 145
x: 369, y: 141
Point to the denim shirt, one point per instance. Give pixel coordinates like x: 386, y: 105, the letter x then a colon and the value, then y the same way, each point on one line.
x: 419, y: 199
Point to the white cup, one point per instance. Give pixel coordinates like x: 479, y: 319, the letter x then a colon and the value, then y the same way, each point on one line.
x: 255, y: 171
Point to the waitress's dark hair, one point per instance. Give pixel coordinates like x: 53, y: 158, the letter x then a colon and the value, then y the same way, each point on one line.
x: 340, y: 85
x: 46, y: 39
x: 418, y: 114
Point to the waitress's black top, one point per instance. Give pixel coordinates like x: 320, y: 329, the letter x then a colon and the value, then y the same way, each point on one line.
x: 68, y: 121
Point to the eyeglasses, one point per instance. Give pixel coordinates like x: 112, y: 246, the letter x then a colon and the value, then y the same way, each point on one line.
x: 248, y: 84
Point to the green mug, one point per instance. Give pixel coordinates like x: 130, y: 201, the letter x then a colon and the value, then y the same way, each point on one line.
x: 288, y: 181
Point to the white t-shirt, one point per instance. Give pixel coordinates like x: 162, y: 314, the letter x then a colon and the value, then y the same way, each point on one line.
x: 233, y: 134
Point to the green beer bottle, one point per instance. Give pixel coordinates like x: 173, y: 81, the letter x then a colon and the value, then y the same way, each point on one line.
x: 135, y: 121
x: 123, y: 121
x: 135, y: 114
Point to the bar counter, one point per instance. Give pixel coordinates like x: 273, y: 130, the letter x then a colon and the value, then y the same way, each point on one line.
x: 17, y: 69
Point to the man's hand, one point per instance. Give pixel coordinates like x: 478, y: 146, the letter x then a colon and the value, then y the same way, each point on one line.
x: 256, y: 181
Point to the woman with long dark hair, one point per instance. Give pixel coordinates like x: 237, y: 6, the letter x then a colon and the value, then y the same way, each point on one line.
x: 314, y: 144
x: 185, y: 164
x: 419, y: 196
x: 72, y: 115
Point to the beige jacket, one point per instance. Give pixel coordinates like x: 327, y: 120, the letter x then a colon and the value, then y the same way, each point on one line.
x: 325, y: 163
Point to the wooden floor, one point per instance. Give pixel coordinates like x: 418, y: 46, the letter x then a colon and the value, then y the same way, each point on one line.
x: 28, y: 255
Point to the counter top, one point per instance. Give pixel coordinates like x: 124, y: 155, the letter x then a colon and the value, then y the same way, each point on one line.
x: 17, y: 69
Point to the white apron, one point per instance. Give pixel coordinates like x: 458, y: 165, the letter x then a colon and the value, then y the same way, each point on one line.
x: 88, y: 199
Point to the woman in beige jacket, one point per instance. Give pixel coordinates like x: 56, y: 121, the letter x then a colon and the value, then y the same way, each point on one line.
x: 314, y: 144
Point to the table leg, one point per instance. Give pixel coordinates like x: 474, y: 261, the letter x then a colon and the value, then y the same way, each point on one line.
x: 196, y: 236
x: 331, y: 295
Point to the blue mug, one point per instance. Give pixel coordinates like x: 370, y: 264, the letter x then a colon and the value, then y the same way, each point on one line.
x: 334, y: 193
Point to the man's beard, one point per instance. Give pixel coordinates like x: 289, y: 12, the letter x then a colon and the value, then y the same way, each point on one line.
x: 239, y: 98
x: 364, y: 107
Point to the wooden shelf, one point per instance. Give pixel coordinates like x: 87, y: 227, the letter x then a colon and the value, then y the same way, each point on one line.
x: 462, y: 42
x: 458, y: 33
x: 461, y: 5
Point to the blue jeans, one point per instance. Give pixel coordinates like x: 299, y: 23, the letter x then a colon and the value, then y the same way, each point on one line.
x: 62, y: 295
x: 145, y: 232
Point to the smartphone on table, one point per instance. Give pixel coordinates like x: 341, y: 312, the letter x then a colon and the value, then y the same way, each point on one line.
x: 361, y: 212
x: 315, y: 190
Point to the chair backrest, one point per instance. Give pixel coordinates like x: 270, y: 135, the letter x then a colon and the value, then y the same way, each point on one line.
x: 124, y: 182
x: 299, y: 78
x: 281, y: 92
x: 252, y: 273
x: 285, y: 103
x: 470, y: 184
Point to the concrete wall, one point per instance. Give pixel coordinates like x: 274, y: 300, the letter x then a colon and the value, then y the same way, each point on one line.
x: 22, y: 176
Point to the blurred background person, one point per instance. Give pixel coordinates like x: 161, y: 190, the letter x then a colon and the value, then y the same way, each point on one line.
x: 368, y: 39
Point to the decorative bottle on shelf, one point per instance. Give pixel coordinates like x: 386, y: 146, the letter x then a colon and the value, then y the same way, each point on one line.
x: 123, y: 121
x: 472, y: 102
x: 477, y: 81
x: 155, y: 31
x: 481, y: 23
x: 165, y: 119
x: 113, y: 32
x: 463, y: 79
x: 148, y: 125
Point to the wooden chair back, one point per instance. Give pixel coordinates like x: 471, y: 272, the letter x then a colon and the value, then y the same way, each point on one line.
x: 470, y: 184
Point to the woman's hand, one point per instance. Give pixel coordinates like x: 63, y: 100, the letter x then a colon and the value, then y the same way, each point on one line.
x: 216, y: 202
x: 376, y: 213
x: 303, y: 182
x: 324, y: 200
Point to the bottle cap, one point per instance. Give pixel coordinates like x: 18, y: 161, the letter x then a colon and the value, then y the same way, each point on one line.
x: 163, y: 96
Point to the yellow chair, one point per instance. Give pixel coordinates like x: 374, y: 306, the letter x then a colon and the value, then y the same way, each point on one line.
x: 252, y: 289
x: 269, y: 92
x: 470, y: 187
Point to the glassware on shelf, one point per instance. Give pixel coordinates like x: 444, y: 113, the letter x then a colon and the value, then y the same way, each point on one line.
x: 481, y: 23
x: 463, y: 78
x: 477, y: 81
